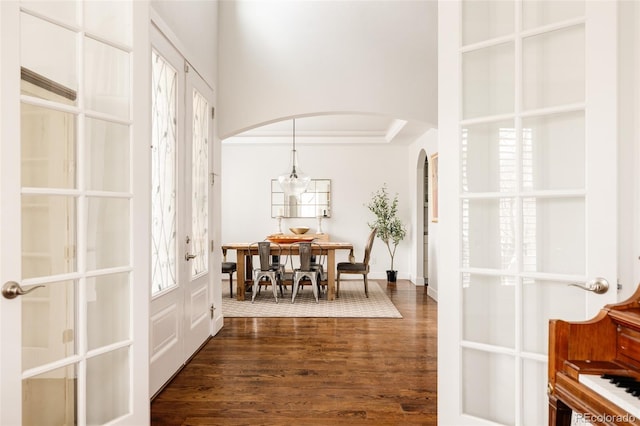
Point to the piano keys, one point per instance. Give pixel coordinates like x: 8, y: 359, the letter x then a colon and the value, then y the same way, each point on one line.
x: 619, y: 395
x: 582, y: 357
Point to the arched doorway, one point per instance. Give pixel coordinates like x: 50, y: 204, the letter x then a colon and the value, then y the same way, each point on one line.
x: 422, y: 219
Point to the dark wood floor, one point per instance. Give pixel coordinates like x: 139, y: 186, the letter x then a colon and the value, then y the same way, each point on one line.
x: 313, y: 371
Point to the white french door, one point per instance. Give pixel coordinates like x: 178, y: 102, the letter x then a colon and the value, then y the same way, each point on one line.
x: 528, y: 177
x: 181, y: 316
x: 71, y: 351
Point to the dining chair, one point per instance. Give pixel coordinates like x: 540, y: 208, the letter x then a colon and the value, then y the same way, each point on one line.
x: 307, y: 269
x: 268, y: 272
x: 357, y: 267
x: 229, y: 268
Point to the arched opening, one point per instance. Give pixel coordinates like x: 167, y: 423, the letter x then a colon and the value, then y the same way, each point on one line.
x: 422, y: 219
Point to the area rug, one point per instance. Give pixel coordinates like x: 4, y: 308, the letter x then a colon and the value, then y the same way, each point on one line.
x: 352, y: 303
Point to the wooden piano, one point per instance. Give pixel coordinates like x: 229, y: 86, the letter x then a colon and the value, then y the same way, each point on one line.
x: 580, y: 353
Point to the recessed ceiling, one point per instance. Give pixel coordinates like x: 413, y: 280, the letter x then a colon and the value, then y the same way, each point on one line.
x: 334, y: 128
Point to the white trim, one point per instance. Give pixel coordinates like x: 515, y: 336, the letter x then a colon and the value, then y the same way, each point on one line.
x: 140, y: 173
x: 10, y: 228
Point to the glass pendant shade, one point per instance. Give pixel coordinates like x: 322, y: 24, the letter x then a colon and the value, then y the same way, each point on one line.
x: 296, y: 181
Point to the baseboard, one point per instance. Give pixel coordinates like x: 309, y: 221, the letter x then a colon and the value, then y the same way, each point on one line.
x: 432, y: 293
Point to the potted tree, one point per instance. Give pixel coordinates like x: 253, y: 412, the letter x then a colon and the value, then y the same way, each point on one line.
x: 390, y: 228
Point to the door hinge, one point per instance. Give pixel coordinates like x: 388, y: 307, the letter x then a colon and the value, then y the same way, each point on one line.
x: 67, y: 335
x: 70, y: 252
x: 211, y: 309
x: 186, y: 67
x: 213, y: 112
x: 212, y: 178
x: 211, y: 246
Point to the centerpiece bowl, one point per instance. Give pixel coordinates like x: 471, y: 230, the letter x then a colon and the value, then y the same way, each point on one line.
x: 299, y: 230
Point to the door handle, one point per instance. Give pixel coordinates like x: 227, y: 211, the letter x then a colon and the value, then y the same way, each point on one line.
x: 189, y: 256
x: 597, y: 285
x: 12, y: 289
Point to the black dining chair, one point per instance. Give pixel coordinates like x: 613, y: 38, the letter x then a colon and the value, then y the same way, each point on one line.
x: 357, y: 267
x: 229, y: 268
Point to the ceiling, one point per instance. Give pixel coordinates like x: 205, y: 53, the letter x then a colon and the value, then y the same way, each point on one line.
x: 335, y: 129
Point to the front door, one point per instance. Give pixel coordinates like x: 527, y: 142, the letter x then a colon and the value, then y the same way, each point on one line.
x: 527, y: 143
x: 181, y: 198
x: 71, y: 351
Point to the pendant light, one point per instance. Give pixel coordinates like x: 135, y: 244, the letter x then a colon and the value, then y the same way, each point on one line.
x: 295, y: 182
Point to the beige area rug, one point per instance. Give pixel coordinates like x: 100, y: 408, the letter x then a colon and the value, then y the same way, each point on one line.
x: 351, y: 304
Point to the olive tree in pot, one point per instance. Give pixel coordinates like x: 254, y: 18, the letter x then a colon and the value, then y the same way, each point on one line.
x: 390, y: 228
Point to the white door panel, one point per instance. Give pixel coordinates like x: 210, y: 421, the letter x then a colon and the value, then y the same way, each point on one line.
x: 181, y: 193
x: 199, y: 138
x: 167, y: 257
x: 66, y: 197
x: 528, y: 164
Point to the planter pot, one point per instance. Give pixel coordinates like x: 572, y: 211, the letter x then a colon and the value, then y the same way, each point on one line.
x: 392, y: 276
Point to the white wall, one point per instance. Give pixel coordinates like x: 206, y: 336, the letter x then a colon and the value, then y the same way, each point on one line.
x: 355, y: 172
x: 286, y: 58
x: 280, y: 59
x: 195, y: 32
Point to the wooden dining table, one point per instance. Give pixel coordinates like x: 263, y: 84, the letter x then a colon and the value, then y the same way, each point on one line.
x: 319, y: 248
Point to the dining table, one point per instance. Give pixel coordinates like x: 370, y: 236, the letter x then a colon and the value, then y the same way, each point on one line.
x: 244, y: 251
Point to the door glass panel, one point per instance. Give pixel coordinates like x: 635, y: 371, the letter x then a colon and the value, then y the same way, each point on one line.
x: 49, y: 399
x: 536, y: 13
x: 483, y: 20
x: 489, y: 157
x: 200, y: 184
x: 48, y: 52
x: 488, y: 233
x: 546, y: 300
x: 108, y: 374
x: 48, y: 324
x: 107, y: 149
x: 47, y: 147
x: 110, y: 19
x: 488, y: 305
x: 558, y: 225
x: 48, y: 235
x: 107, y: 309
x: 553, y: 68
x: 60, y: 10
x: 107, y: 233
x: 553, y: 152
x: 107, y: 76
x: 488, y: 81
x: 488, y: 389
x: 534, y: 374
x: 163, y: 174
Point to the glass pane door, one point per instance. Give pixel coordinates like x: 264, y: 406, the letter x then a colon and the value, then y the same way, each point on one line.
x: 74, y: 191
x: 525, y: 197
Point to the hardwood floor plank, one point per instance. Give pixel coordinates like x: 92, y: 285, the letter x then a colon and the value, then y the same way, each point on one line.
x: 313, y: 371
